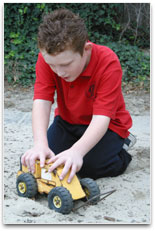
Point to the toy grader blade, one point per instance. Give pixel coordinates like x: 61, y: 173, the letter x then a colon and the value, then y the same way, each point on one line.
x: 60, y: 193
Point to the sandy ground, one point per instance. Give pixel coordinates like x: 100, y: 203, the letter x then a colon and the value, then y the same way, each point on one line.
x: 130, y: 204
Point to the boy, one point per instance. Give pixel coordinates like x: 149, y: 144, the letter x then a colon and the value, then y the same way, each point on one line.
x: 90, y: 128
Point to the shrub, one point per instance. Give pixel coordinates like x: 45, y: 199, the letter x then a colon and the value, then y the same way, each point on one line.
x: 21, y: 21
x: 135, y: 63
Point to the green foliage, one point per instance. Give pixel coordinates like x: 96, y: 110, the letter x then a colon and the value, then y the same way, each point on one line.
x: 20, y: 47
x: 135, y: 64
x: 104, y: 24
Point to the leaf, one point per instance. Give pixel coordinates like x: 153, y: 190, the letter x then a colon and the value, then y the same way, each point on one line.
x: 14, y: 35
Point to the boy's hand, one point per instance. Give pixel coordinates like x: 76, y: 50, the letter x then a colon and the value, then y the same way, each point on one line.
x: 40, y: 152
x: 72, y: 161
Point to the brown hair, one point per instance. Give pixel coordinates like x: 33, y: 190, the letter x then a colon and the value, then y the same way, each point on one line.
x: 62, y: 30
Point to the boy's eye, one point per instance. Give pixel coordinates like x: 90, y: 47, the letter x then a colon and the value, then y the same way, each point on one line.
x: 62, y: 65
x: 65, y: 65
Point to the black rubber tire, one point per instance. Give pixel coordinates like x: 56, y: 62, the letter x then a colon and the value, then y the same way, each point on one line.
x: 29, y: 181
x: 91, y: 189
x: 65, y: 201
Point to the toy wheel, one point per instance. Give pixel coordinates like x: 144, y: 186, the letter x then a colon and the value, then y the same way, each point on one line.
x: 91, y: 189
x: 26, y: 185
x: 60, y: 199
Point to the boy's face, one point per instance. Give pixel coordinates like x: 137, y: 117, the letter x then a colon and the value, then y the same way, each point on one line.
x: 68, y: 64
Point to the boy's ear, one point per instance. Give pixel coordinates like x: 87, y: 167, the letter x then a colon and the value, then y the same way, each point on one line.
x: 88, y: 46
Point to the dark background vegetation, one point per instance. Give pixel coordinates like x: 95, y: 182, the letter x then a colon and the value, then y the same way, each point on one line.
x: 124, y: 27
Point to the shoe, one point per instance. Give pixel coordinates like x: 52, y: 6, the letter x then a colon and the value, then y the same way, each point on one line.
x: 129, y: 142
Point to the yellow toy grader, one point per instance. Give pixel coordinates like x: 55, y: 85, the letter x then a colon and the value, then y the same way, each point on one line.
x: 60, y: 193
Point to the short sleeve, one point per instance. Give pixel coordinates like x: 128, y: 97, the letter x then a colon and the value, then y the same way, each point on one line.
x: 108, y: 93
x: 44, y: 87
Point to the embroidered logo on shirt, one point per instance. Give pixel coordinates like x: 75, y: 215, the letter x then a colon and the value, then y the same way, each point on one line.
x: 91, y: 91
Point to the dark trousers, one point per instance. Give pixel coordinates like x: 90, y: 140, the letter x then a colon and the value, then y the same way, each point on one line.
x: 107, y: 158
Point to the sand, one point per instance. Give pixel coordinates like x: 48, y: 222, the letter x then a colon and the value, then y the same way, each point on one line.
x: 130, y: 204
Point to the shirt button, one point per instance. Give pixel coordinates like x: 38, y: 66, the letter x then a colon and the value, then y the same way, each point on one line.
x: 71, y: 86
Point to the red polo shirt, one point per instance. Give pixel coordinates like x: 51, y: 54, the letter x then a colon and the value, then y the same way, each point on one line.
x: 97, y: 91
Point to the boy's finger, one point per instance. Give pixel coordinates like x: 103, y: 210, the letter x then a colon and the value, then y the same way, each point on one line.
x: 65, y: 170
x: 52, y: 159
x: 27, y: 161
x: 32, y: 160
x: 72, y: 174
x: 55, y: 165
x: 23, y: 159
x: 42, y: 161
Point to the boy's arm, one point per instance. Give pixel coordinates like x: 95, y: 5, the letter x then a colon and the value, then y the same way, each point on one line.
x: 95, y: 131
x: 40, y: 120
x: 73, y: 157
